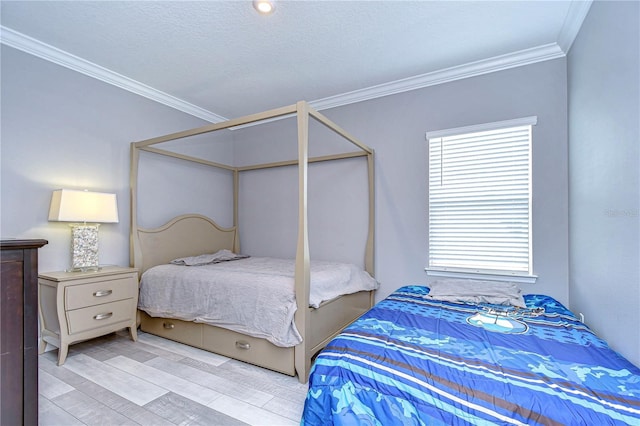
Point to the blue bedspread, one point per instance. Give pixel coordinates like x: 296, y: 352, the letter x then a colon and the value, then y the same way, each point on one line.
x: 415, y: 361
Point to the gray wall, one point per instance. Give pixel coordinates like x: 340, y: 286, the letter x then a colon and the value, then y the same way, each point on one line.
x: 395, y: 127
x: 62, y: 129
x: 268, y: 202
x: 604, y: 164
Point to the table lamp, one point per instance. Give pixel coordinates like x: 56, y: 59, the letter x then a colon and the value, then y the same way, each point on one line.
x: 80, y: 207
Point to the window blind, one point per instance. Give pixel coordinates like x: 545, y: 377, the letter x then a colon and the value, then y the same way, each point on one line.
x: 480, y: 200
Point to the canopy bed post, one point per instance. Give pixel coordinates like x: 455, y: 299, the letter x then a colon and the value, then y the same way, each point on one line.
x: 369, y: 260
x: 236, y: 186
x: 134, y: 251
x: 302, y: 276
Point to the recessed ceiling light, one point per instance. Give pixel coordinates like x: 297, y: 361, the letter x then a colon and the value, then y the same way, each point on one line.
x: 264, y: 7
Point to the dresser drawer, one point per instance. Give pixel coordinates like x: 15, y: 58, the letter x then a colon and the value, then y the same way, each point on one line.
x: 98, y: 316
x: 103, y: 291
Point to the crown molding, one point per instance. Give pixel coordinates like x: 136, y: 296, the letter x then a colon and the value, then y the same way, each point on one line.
x: 47, y: 52
x: 472, y: 69
x: 576, y: 14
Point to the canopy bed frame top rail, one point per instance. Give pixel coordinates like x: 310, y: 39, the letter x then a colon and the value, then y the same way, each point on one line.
x: 303, y: 111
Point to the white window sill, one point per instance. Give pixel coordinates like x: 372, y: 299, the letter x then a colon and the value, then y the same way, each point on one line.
x: 514, y: 278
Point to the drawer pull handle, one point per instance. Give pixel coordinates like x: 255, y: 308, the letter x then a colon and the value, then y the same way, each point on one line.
x: 168, y: 325
x: 102, y: 293
x: 241, y: 344
x: 103, y: 316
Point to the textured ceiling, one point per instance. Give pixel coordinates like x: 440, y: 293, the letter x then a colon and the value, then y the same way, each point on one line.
x: 225, y: 58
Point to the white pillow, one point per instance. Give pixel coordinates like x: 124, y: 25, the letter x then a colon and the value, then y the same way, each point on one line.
x: 476, y: 291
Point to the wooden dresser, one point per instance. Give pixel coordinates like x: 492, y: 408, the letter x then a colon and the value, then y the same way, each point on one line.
x: 19, y: 326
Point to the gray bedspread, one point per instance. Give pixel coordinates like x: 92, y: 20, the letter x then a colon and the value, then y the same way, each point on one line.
x: 253, y: 296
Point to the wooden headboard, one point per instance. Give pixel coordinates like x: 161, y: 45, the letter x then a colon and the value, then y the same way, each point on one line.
x: 185, y: 235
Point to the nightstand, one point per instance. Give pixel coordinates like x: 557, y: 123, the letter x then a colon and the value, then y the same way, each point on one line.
x: 77, y: 306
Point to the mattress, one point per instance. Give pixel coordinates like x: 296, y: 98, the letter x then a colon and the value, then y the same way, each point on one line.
x: 414, y: 360
x: 253, y: 296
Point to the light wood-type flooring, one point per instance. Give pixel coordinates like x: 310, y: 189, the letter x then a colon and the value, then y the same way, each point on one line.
x: 114, y: 381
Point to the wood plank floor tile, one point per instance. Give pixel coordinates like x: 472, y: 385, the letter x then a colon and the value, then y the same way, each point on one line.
x: 49, y: 365
x: 212, y: 381
x: 122, y: 405
x: 285, y: 407
x: 164, y: 380
x: 266, y: 376
x: 130, y: 349
x: 117, y: 381
x: 183, y: 411
x: 261, y: 379
x: 249, y: 413
x: 89, y: 411
x: 49, y: 414
x: 157, y: 351
x: 50, y: 386
x: 112, y: 380
x: 100, y: 354
x: 187, y: 351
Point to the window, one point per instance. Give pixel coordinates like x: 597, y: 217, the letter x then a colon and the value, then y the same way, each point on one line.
x: 480, y: 200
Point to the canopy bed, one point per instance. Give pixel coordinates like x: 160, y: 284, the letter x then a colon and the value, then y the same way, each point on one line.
x: 190, y: 236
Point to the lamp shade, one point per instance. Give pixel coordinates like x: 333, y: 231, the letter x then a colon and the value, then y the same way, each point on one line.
x: 69, y: 205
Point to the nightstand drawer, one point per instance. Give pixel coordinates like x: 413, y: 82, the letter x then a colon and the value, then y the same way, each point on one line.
x: 108, y: 290
x: 84, y: 319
